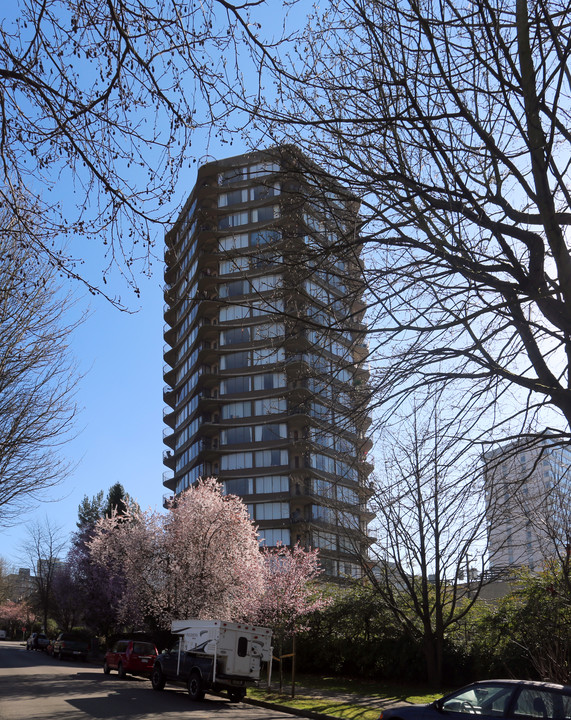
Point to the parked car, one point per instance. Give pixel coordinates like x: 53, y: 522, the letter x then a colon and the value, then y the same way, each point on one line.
x: 71, y: 645
x: 37, y: 641
x: 493, y: 698
x: 135, y: 657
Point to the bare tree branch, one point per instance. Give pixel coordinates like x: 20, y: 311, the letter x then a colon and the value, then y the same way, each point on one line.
x: 450, y: 123
x: 37, y: 376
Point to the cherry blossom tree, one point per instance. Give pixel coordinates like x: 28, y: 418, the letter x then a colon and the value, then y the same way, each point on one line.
x: 290, y: 594
x: 200, y: 559
x: 215, y: 562
x: 97, y: 589
x: 14, y: 615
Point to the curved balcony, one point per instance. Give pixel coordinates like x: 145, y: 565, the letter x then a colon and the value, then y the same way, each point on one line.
x: 209, y: 404
x: 364, y: 443
x: 170, y: 313
x: 362, y: 374
x: 169, y: 459
x: 168, y: 501
x: 170, y: 260
x: 209, y: 353
x: 169, y: 417
x: 169, y: 438
x: 208, y: 331
x: 169, y: 356
x: 208, y: 281
x: 360, y: 351
x: 169, y: 480
x: 169, y: 396
x: 366, y: 465
x: 169, y: 375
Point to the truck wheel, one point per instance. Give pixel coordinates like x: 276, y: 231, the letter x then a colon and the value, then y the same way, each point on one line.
x: 106, y: 668
x: 236, y: 696
x: 195, y: 691
x: 157, y: 678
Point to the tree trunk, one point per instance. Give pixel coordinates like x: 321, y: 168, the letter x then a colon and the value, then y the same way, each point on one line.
x: 281, y: 666
x: 293, y: 667
x: 432, y: 646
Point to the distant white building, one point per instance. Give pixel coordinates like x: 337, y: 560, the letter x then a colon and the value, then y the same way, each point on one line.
x: 528, y: 506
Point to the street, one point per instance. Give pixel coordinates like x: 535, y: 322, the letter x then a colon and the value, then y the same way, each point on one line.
x: 36, y: 686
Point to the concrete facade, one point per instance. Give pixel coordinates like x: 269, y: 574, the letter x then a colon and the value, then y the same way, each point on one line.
x: 265, y: 352
x: 527, y: 487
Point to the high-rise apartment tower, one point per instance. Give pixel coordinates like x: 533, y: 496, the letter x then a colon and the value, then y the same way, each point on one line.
x: 527, y: 484
x: 266, y: 382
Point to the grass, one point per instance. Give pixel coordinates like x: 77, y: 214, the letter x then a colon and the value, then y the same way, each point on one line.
x: 346, y: 711
x: 348, y: 699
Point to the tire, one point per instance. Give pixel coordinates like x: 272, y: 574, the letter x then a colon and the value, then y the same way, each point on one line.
x: 236, y: 696
x: 195, y: 691
x: 121, y: 671
x: 106, y: 668
x: 59, y: 655
x: 158, y: 680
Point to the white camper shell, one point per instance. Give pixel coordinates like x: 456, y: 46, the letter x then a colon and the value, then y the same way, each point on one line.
x: 237, y: 649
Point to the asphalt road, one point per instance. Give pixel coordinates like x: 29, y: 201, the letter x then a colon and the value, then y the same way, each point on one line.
x: 34, y: 686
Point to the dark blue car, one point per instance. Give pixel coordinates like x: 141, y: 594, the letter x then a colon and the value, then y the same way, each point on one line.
x: 512, y: 699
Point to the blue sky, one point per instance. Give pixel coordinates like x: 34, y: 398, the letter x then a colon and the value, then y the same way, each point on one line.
x: 119, y: 424
x: 119, y: 355
x: 120, y: 420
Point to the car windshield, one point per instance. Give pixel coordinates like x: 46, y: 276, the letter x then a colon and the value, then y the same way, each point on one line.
x: 486, y: 699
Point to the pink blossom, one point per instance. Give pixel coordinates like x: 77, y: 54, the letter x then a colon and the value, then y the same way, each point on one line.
x: 200, y: 559
x: 290, y: 591
x: 13, y: 612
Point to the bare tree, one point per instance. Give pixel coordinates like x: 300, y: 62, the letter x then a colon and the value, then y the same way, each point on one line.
x: 104, y: 100
x: 450, y: 123
x: 37, y: 376
x: 68, y: 602
x: 430, y: 551
x: 44, y: 550
x: 5, y: 589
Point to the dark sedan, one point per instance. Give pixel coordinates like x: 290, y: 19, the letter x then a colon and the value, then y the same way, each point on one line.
x: 515, y: 699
